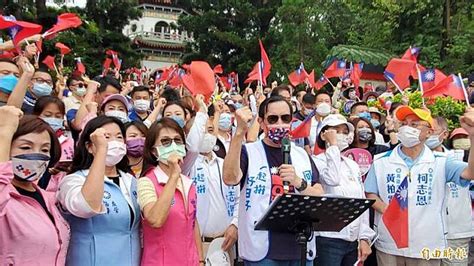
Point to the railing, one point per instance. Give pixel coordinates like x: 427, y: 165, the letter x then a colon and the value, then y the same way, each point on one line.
x: 162, y: 36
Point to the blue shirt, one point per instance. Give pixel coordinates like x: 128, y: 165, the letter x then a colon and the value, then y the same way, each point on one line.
x: 454, y: 169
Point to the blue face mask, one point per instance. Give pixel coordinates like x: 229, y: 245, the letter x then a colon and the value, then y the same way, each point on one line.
x: 375, y: 123
x: 365, y: 115
x: 178, y: 120
x: 55, y: 123
x: 41, y: 89
x: 8, y: 83
x: 225, y: 121
x: 238, y: 106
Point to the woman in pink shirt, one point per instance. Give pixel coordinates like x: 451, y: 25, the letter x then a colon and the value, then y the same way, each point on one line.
x: 168, y: 200
x: 32, y: 230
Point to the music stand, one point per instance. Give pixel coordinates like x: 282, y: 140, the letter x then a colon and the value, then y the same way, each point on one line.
x: 302, y: 215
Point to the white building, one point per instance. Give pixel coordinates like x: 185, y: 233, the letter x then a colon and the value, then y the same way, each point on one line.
x: 156, y: 33
x: 68, y: 3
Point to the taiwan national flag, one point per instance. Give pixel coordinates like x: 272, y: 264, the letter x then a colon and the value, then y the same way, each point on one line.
x: 65, y: 21
x: 19, y: 30
x: 398, y: 71
x: 265, y: 65
x: 431, y: 77
x: 356, y: 73
x: 450, y: 86
x: 336, y: 69
x: 395, y: 216
x: 302, y: 130
x: 411, y: 53
x: 321, y: 82
x: 298, y: 76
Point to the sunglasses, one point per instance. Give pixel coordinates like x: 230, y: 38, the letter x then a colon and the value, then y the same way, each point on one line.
x: 166, y: 142
x: 273, y: 119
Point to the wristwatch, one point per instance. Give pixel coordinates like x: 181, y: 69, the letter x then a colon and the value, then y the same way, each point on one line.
x: 303, y: 185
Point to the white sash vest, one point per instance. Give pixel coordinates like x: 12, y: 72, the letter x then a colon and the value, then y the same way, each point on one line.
x: 255, y: 199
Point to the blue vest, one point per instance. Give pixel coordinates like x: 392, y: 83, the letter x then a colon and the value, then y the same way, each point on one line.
x: 107, y: 239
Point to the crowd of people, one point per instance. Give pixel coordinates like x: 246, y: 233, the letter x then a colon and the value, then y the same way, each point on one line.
x: 116, y: 171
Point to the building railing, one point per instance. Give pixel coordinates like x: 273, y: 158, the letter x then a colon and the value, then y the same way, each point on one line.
x: 162, y: 36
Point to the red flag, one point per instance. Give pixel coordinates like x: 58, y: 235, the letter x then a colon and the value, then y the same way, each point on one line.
x: 23, y: 29
x: 321, y: 82
x: 336, y: 69
x: 302, y: 128
x: 80, y: 66
x: 49, y: 61
x: 162, y: 74
x: 227, y: 83
x: 7, y: 54
x: 356, y: 73
x: 218, y: 69
x: 63, y: 49
x: 450, y: 86
x: 65, y: 21
x: 395, y: 216
x: 111, y: 52
x: 200, y: 80
x: 265, y: 65
x: 398, y: 72
x: 311, y: 81
x: 298, y: 76
x: 254, y: 74
x: 39, y: 45
x: 175, y: 79
x: 431, y: 77
x: 107, y: 63
x: 411, y: 53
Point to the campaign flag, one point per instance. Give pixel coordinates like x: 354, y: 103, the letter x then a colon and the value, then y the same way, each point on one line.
x: 63, y: 49
x: 356, y: 73
x: 321, y: 82
x: 65, y: 21
x: 49, y: 62
x: 449, y: 86
x: 200, y: 79
x: 80, y: 66
x: 303, y: 129
x: 19, y: 30
x: 395, y: 216
x: 298, y: 76
x: 265, y: 65
x: 336, y: 69
x: 411, y: 53
x: 218, y: 69
x: 431, y: 77
x: 398, y: 72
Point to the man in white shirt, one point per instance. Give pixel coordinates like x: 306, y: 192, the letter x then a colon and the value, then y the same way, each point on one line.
x: 78, y: 88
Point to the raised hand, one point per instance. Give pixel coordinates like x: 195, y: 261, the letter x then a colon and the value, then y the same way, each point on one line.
x: 99, y: 140
x: 330, y: 136
x: 10, y: 118
x: 467, y: 121
x: 243, y: 116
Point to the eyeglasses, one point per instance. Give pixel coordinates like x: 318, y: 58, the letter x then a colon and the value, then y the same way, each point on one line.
x: 166, y: 142
x: 80, y: 85
x: 273, y: 119
x: 40, y: 80
x: 415, y: 124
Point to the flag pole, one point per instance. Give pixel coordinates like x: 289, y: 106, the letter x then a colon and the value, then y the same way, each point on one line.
x: 420, y: 83
x: 394, y: 83
x: 260, y: 75
x: 332, y: 85
x: 464, y: 90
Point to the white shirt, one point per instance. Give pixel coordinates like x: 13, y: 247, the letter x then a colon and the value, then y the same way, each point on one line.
x: 340, y: 176
x: 71, y: 102
x: 213, y: 219
x: 71, y: 198
x: 193, y: 140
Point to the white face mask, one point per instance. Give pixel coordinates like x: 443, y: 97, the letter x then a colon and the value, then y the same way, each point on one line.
x: 30, y: 167
x: 324, y: 109
x: 122, y: 116
x: 141, y: 105
x: 409, y: 136
x: 207, y: 143
x: 433, y: 141
x: 343, y: 141
x: 116, y: 150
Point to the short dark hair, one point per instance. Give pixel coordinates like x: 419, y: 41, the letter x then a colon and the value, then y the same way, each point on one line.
x: 72, y: 78
x: 322, y: 92
x: 149, y: 159
x: 140, y: 88
x: 356, y: 121
x: 44, y: 101
x: 264, y: 106
x: 82, y: 158
x: 33, y: 124
x: 138, y: 125
x: 276, y: 91
x: 357, y: 104
x: 8, y: 60
x: 173, y: 103
x: 394, y: 106
x: 297, y: 91
x: 309, y: 98
x: 170, y: 95
x: 106, y: 81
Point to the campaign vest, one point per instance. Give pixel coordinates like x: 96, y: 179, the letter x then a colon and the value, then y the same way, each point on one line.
x: 255, y: 199
x: 229, y: 194
x: 426, y: 192
x: 458, y: 205
x: 107, y: 239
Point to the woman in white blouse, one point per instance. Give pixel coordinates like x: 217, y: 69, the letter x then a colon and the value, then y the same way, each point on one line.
x: 340, y: 176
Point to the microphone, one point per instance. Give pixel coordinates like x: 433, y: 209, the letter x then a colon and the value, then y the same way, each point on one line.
x: 285, y: 150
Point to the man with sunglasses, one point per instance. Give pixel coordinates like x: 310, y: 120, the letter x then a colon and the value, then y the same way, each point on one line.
x: 78, y: 89
x: 415, y: 177
x: 259, y: 169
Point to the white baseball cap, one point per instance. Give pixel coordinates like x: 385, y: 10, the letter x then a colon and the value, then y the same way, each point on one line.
x: 333, y: 120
